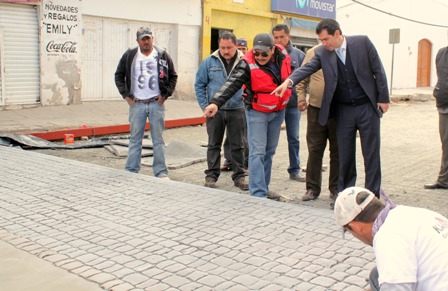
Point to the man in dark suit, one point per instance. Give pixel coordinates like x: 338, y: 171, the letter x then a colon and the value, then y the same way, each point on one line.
x: 441, y: 95
x: 355, y: 94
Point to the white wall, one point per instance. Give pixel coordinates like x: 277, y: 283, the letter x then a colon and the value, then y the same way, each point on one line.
x: 185, y: 16
x: 184, y: 12
x: 357, y: 19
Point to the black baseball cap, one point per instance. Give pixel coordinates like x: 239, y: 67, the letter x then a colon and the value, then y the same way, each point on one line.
x: 263, y: 41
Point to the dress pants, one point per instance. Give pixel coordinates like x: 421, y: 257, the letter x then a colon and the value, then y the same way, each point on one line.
x: 443, y: 130
x: 350, y: 119
x: 316, y: 138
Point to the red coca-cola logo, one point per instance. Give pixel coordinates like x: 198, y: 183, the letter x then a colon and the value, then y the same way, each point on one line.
x: 62, y: 47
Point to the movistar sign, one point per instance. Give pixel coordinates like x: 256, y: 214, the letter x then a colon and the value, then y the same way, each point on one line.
x: 315, y: 8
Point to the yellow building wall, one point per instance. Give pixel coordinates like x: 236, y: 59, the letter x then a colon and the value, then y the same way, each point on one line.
x: 244, y: 19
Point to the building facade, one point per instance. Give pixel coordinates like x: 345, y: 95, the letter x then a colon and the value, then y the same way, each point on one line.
x: 422, y: 27
x: 66, y: 51
x: 247, y: 18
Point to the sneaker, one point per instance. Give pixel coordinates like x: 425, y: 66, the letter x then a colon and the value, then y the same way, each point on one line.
x: 274, y: 196
x: 299, y: 177
x: 164, y: 177
x: 227, y: 166
x: 210, y: 182
x: 309, y: 195
x: 241, y: 183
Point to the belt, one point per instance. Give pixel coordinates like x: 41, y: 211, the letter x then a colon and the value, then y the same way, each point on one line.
x: 146, y: 101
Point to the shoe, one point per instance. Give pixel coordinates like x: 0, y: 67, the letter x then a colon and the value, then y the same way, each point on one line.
x: 333, y: 195
x: 210, y: 182
x: 274, y: 196
x: 299, y: 177
x: 227, y: 166
x: 164, y: 177
x: 435, y: 185
x: 309, y: 195
x: 241, y: 183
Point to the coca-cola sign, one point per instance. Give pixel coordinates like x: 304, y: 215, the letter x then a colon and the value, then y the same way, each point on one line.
x: 62, y: 47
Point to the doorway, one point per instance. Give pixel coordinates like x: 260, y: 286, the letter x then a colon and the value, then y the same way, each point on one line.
x: 216, y: 32
x: 424, y: 63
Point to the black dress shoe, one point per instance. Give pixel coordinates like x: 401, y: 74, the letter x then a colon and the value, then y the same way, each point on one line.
x: 435, y: 186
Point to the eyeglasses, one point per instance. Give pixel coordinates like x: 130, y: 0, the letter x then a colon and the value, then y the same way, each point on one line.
x: 263, y: 54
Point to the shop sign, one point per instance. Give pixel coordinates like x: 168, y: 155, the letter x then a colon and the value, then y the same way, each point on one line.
x: 314, y: 8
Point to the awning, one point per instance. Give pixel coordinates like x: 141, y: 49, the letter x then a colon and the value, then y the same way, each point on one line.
x: 303, y: 41
x: 304, y: 24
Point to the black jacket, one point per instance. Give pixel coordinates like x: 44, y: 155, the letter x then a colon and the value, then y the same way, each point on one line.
x: 167, y: 75
x: 241, y: 76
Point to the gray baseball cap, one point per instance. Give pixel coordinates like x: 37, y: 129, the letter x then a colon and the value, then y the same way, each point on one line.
x: 144, y: 32
x: 263, y: 41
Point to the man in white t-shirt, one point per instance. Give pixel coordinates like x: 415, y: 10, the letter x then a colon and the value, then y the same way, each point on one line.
x: 146, y: 77
x: 410, y: 244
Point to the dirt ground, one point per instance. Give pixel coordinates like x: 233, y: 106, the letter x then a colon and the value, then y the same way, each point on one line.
x: 410, y: 158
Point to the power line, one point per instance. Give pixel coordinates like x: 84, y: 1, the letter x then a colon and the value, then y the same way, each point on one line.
x: 398, y: 16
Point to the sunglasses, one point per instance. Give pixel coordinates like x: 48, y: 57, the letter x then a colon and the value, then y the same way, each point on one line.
x: 263, y: 54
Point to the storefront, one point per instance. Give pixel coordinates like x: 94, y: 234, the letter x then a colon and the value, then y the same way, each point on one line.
x: 303, y: 17
x: 19, y: 54
x: 248, y: 18
x: 63, y: 52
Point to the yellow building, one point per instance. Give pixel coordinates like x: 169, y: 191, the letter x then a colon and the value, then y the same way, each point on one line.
x: 247, y: 18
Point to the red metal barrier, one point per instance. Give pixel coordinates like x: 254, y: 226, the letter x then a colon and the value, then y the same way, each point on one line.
x: 113, y: 129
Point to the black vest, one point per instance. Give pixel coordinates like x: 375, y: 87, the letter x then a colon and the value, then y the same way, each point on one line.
x: 348, y: 90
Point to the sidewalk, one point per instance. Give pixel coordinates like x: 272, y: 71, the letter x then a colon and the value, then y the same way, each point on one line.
x: 110, y: 117
x: 90, y: 118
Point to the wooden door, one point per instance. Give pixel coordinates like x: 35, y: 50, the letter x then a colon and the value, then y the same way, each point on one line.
x: 424, y: 63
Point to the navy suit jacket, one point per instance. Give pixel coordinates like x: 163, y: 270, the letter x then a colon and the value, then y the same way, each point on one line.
x: 366, y: 65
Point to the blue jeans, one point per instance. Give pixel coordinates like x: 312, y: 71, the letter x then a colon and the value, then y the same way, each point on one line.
x: 263, y: 134
x: 292, y: 122
x: 138, y: 114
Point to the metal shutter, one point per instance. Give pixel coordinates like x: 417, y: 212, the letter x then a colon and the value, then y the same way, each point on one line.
x: 20, y: 76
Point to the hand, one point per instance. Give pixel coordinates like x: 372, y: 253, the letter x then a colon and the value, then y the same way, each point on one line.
x: 130, y: 101
x: 302, y: 105
x: 384, y: 106
x: 211, y: 110
x: 160, y: 100
x: 280, y: 90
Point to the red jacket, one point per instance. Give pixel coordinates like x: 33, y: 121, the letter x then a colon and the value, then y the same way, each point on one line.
x: 262, y: 84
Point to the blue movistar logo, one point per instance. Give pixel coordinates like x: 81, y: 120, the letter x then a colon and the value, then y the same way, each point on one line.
x: 302, y: 3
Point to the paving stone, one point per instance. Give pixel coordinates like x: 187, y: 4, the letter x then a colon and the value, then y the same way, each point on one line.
x: 246, y: 280
x: 102, y: 278
x: 135, y: 278
x: 323, y: 281
x: 122, y: 287
x: 175, y: 281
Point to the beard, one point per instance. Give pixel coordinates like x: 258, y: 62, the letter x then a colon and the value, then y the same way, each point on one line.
x: 145, y: 48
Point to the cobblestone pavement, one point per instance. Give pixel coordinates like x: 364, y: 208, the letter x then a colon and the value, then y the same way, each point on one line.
x: 127, y: 231
x: 410, y: 153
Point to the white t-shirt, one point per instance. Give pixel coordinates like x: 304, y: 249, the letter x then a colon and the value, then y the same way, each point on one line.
x: 145, y: 84
x: 412, y: 247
